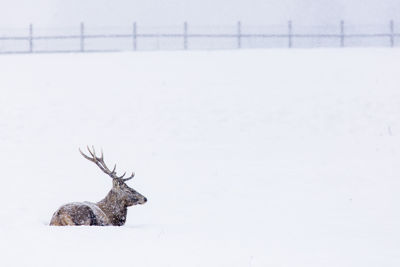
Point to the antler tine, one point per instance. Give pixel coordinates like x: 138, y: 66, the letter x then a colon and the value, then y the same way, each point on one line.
x: 130, y: 177
x: 91, y: 153
x: 85, y: 156
x: 102, y: 155
x: 122, y: 176
x: 99, y: 161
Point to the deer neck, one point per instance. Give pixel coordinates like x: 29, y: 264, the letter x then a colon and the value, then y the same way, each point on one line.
x: 114, y: 208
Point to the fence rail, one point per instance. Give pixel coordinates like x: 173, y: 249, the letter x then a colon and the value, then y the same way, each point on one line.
x: 27, y: 43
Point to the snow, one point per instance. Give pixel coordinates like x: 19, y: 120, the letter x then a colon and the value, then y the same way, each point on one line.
x: 247, y: 158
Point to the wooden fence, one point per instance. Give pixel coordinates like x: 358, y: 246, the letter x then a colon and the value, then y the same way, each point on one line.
x: 288, y: 38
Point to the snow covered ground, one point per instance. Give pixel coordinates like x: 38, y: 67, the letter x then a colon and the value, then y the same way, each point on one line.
x: 247, y: 158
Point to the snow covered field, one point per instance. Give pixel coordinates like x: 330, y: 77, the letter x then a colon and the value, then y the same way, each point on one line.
x: 247, y: 158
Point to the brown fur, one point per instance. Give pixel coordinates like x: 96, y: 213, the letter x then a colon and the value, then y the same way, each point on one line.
x: 75, y: 214
x: 112, y: 210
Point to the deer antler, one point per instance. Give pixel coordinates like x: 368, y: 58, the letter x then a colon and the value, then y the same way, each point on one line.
x: 99, y: 161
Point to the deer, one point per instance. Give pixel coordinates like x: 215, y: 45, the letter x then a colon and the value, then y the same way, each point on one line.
x: 110, y: 211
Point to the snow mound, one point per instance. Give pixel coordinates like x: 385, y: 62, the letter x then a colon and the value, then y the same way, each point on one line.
x: 247, y: 158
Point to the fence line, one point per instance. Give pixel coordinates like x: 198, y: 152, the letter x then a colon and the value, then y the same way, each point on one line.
x: 186, y: 36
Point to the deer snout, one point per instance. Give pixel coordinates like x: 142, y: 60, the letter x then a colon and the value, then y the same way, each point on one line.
x: 143, y: 200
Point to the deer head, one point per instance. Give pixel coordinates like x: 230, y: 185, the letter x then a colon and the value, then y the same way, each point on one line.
x: 120, y: 192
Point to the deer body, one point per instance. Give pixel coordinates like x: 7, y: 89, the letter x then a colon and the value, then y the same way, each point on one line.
x: 112, y: 210
x: 79, y: 213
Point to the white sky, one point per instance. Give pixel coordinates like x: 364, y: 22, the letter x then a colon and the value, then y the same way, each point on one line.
x: 55, y: 13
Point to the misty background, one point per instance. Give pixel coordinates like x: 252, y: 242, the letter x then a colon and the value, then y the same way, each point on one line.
x: 45, y: 26
x: 56, y: 13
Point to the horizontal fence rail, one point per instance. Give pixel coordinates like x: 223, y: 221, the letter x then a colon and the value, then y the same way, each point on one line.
x: 82, y: 40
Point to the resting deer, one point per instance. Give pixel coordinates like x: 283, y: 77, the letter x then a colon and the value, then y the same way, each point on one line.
x: 112, y: 210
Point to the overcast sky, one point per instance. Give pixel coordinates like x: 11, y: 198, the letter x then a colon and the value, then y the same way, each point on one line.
x: 55, y: 13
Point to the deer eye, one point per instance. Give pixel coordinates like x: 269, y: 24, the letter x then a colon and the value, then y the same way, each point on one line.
x: 126, y: 190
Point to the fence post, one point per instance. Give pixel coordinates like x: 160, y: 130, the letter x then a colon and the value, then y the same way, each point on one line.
x: 239, y: 35
x: 82, y: 37
x: 391, y: 33
x: 341, y: 33
x: 30, y: 38
x: 290, y: 34
x: 185, y: 35
x: 134, y: 36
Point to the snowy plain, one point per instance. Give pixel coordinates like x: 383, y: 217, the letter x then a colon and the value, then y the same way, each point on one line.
x: 247, y: 158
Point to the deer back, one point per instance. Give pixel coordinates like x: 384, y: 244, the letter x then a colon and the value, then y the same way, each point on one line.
x: 79, y: 213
